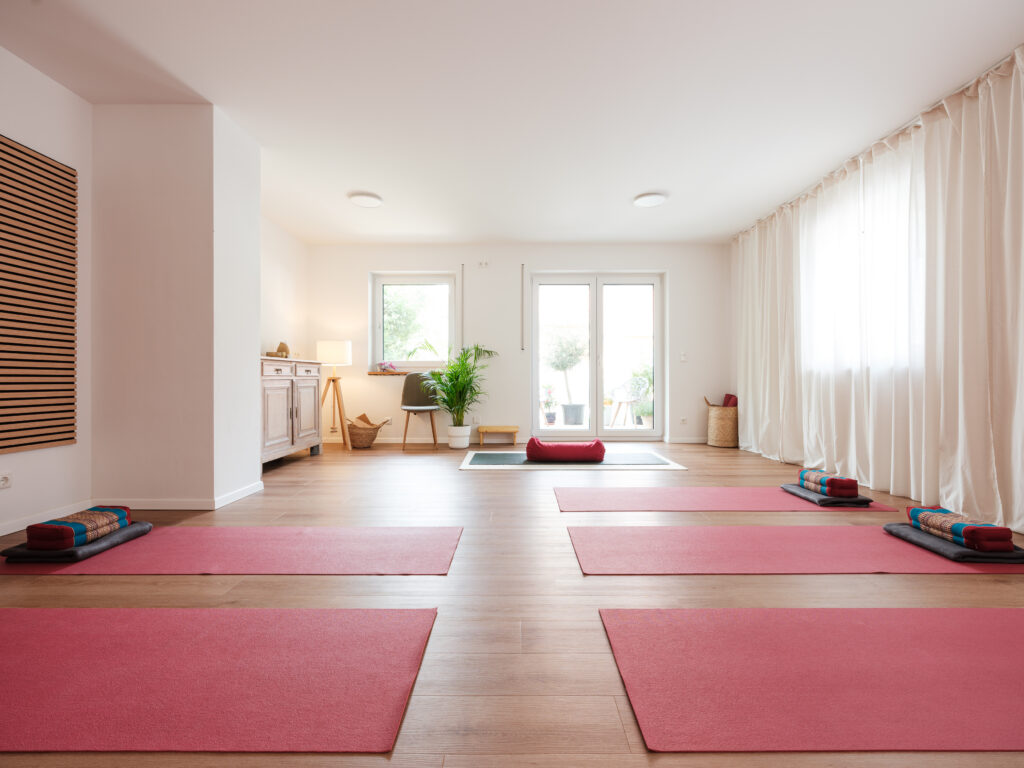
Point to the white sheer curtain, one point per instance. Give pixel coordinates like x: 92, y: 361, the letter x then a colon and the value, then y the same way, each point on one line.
x: 881, y: 316
x: 768, y: 338
x: 974, y: 146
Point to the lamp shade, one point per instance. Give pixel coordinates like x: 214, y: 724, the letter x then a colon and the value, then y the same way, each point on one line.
x: 334, y: 352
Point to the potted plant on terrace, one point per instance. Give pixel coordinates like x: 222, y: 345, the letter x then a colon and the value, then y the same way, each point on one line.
x: 458, y: 387
x: 566, y: 353
x: 642, y: 389
x: 548, y: 404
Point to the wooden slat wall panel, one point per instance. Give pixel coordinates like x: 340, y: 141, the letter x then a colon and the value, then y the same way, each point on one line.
x: 38, y: 299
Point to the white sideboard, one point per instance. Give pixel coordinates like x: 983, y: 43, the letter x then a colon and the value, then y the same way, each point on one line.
x: 291, y: 407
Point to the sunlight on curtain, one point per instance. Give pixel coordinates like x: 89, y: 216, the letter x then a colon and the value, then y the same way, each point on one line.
x: 860, y: 250
x: 879, y: 318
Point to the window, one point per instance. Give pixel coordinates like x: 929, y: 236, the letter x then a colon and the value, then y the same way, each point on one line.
x: 861, y: 269
x: 414, y: 318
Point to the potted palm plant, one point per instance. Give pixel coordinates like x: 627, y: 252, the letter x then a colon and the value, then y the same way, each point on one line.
x: 458, y: 387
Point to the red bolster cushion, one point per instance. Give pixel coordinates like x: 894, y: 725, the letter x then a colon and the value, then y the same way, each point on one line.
x: 537, y: 450
x: 730, y: 401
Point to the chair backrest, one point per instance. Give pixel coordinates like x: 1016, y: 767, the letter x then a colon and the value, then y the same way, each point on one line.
x: 413, y: 394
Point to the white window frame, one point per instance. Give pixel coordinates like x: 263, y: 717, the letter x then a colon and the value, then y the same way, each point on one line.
x: 377, y: 283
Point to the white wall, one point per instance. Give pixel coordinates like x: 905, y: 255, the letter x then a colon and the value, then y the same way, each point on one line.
x: 698, y: 289
x: 283, y: 314
x: 43, y: 115
x: 236, y: 312
x: 153, y: 300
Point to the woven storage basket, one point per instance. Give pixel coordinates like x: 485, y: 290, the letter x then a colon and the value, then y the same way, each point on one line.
x: 363, y: 437
x: 723, y: 426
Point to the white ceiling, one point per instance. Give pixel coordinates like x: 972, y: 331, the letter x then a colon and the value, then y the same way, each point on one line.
x: 527, y: 120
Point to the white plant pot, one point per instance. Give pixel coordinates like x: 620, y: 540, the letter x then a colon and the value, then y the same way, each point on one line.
x: 458, y: 437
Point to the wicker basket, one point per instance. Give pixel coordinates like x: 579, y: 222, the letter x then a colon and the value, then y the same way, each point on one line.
x: 723, y: 426
x: 363, y: 437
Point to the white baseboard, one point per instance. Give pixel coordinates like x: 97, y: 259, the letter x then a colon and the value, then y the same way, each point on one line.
x: 688, y: 440
x: 393, y: 440
x: 20, y: 523
x: 226, y: 498
x: 198, y: 505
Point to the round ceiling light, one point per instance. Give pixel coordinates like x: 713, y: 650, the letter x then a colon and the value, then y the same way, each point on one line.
x: 649, y: 199
x: 365, y: 199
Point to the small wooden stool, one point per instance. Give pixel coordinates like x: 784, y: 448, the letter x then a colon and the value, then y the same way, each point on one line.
x: 506, y: 430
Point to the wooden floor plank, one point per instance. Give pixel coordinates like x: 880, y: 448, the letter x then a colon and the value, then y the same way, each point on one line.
x: 520, y: 674
x: 512, y: 725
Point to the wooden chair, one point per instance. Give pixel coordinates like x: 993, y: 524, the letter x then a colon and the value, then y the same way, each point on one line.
x: 416, y: 401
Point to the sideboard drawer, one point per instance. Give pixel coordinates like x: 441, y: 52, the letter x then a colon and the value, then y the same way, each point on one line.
x: 304, y: 369
x: 278, y: 369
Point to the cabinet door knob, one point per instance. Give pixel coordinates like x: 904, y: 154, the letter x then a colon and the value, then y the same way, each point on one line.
x: 277, y: 370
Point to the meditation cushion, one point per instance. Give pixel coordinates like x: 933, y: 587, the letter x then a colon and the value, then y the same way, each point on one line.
x: 823, y: 500
x: 22, y: 554
x: 537, y: 450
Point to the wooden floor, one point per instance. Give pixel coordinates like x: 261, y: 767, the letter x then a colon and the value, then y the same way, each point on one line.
x: 518, y: 671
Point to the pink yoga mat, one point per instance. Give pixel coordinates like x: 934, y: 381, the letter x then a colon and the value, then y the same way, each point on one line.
x: 636, y: 550
x: 268, y: 550
x: 834, y: 679
x: 224, y: 679
x: 688, y: 499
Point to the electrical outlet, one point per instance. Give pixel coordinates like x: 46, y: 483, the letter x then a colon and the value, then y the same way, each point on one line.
x: 682, y: 357
x: 474, y: 420
x: 5, y: 480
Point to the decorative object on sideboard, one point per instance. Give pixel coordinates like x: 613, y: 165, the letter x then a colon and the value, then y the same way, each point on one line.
x: 335, y: 353
x: 39, y: 286
x: 282, y: 351
x: 457, y: 387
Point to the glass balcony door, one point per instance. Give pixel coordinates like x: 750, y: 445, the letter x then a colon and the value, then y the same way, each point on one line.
x: 597, y: 356
x: 564, y: 321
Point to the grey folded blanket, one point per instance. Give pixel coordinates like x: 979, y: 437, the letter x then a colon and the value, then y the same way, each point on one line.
x: 949, y: 549
x: 22, y: 554
x: 825, y: 501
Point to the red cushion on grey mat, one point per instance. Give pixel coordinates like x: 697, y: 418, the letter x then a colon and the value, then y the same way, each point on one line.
x: 537, y: 450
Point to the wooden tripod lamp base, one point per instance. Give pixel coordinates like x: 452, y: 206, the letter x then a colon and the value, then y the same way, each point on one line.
x: 334, y: 383
x: 335, y: 353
